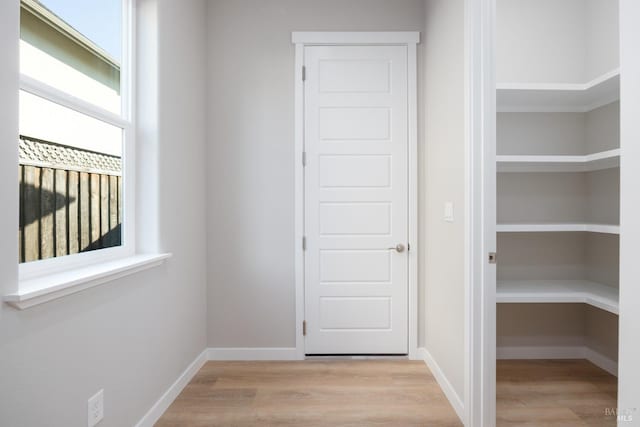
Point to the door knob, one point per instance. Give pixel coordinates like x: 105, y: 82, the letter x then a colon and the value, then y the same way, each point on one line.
x: 398, y: 248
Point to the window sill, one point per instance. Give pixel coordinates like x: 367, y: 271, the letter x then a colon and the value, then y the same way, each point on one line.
x: 53, y: 286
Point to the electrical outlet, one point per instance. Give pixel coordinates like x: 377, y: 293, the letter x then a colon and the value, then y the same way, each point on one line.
x: 96, y: 408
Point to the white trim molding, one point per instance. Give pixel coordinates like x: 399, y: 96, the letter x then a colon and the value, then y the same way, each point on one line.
x: 413, y: 204
x: 480, y: 217
x: 601, y: 361
x: 559, y: 353
x: 49, y: 287
x: 629, y: 347
x: 50, y: 93
x: 251, y: 353
x: 299, y: 199
x: 410, y: 39
x: 355, y: 37
x: 452, y: 396
x: 536, y: 352
x: 155, y: 412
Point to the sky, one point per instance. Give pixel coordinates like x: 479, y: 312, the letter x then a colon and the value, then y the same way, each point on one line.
x: 99, y: 20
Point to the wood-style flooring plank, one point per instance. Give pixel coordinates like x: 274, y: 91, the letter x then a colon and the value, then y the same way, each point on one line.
x: 554, y: 393
x: 312, y: 393
x: 386, y: 393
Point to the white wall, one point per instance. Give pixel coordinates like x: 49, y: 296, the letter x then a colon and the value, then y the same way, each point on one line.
x: 133, y: 336
x: 629, y: 384
x: 550, y: 41
x: 443, y: 160
x: 601, y: 335
x: 540, y: 133
x: 603, y: 53
x: 523, y: 326
x: 559, y: 133
x: 541, y: 41
x: 251, y: 155
x: 602, y: 128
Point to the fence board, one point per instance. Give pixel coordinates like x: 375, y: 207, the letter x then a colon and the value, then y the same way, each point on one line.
x: 73, y: 195
x: 95, y: 210
x: 119, y: 200
x: 61, y: 203
x: 32, y: 213
x: 85, y: 211
x: 47, y: 208
x: 104, y: 210
x: 65, y: 212
x: 21, y: 214
x: 113, y: 202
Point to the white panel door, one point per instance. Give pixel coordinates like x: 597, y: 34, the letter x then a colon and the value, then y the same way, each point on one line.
x: 356, y: 212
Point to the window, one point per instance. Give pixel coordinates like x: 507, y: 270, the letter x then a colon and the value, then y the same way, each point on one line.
x: 76, y: 141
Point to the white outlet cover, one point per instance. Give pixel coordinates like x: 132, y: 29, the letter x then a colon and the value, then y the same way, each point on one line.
x: 95, y: 408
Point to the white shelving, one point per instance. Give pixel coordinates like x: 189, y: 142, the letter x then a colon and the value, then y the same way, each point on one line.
x: 558, y: 227
x: 559, y: 97
x: 559, y: 163
x: 558, y: 291
x: 558, y: 185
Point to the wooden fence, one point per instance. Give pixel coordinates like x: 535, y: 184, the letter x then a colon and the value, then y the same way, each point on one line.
x: 65, y: 212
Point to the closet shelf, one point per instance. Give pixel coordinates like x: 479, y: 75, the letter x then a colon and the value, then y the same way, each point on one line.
x: 558, y: 291
x: 559, y: 97
x: 557, y: 227
x: 559, y: 163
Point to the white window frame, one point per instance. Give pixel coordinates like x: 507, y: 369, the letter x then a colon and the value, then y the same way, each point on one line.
x: 125, y: 121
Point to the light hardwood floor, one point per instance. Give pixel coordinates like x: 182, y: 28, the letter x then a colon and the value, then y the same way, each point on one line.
x: 395, y: 393
x: 312, y: 393
x: 563, y: 393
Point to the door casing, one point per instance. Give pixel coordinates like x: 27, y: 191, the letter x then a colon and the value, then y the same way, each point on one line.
x: 410, y: 39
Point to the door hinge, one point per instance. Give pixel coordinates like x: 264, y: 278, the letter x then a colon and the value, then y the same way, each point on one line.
x: 304, y: 73
x: 304, y: 328
x: 493, y: 258
x: 304, y: 243
x: 304, y: 158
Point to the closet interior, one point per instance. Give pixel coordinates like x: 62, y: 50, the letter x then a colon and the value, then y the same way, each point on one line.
x: 558, y: 171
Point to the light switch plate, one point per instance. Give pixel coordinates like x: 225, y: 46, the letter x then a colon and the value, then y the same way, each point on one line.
x: 448, y: 211
x: 95, y: 408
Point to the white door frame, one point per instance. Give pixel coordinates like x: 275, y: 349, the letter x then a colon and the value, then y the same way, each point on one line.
x: 480, y: 280
x: 629, y: 349
x: 403, y: 38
